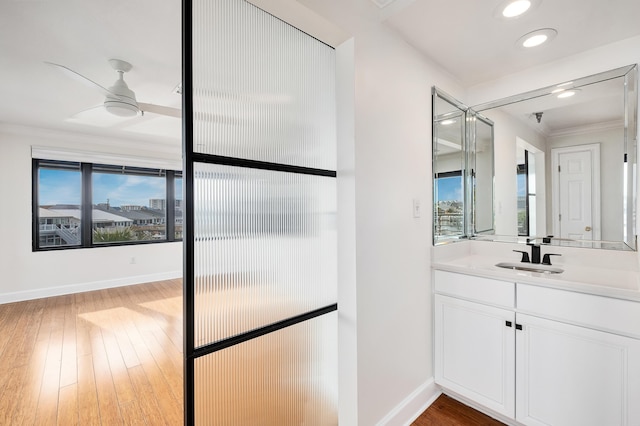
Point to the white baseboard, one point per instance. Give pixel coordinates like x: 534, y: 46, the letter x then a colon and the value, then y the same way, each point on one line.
x: 20, y: 296
x: 413, y: 405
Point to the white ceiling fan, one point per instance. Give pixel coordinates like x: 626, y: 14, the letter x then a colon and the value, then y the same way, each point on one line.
x: 119, y: 99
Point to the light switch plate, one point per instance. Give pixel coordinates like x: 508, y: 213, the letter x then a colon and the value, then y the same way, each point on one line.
x: 417, y: 212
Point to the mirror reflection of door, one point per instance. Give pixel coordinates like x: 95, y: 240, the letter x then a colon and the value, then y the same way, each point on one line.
x: 530, y: 184
x: 576, y: 188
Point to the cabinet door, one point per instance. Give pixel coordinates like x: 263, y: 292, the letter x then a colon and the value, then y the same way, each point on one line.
x: 475, y: 352
x: 569, y: 375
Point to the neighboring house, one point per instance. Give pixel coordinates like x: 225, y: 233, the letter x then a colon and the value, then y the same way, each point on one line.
x: 141, y: 216
x: 58, y: 227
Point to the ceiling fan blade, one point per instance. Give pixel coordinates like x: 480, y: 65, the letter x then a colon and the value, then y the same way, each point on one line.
x: 82, y: 79
x: 159, y: 109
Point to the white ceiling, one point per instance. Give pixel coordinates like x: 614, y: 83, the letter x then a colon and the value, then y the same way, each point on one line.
x: 84, y: 35
x: 463, y: 36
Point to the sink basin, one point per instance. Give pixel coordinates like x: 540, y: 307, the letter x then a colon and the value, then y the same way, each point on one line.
x: 531, y: 267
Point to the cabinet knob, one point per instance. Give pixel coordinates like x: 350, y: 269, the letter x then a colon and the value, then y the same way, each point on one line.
x: 518, y: 326
x: 587, y: 228
x: 508, y: 323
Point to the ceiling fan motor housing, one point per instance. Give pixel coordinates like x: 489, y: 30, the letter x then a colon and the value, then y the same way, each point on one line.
x: 124, y: 102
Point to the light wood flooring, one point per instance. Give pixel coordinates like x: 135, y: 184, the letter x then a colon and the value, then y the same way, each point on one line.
x: 113, y: 357
x: 103, y: 357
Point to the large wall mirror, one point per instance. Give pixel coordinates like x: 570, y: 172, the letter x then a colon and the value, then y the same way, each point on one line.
x: 565, y: 162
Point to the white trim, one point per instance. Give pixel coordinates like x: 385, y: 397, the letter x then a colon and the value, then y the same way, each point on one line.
x: 413, y: 405
x: 66, y: 154
x: 157, y: 144
x: 20, y: 296
x: 588, y: 128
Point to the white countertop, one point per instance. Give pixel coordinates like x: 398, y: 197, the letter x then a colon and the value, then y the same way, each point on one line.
x: 585, y: 271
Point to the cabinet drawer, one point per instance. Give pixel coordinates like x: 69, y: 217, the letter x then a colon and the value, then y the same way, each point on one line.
x: 485, y: 290
x: 597, y: 312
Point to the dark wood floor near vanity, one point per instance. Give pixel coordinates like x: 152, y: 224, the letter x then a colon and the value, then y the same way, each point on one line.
x: 446, y: 411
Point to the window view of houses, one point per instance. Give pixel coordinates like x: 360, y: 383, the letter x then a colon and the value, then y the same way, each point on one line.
x: 60, y: 223
x: 125, y: 208
x: 449, y: 204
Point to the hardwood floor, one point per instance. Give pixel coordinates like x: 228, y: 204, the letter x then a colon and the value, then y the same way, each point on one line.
x: 103, y: 357
x: 446, y: 411
x: 113, y: 357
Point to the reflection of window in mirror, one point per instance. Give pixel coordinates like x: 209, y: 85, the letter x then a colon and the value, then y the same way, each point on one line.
x: 526, y: 185
x: 449, y: 202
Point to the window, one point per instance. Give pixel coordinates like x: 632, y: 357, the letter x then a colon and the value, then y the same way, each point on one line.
x: 124, y: 205
x: 449, y: 202
x: 526, y: 186
x: 178, y: 206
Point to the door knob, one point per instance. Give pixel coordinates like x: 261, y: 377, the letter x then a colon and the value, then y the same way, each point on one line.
x: 587, y: 228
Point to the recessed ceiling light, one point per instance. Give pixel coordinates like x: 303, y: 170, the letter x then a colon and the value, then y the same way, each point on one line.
x: 510, y: 9
x: 537, y: 37
x: 516, y: 8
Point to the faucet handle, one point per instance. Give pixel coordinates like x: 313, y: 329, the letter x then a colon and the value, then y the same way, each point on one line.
x: 546, y: 259
x: 525, y: 256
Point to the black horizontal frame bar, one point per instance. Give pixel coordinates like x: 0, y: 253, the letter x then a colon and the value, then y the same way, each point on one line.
x: 262, y: 165
x: 241, y: 338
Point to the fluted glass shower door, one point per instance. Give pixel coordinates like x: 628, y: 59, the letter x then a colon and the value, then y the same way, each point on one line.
x: 260, y: 219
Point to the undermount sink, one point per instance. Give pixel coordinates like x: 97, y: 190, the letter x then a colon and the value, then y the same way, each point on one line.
x: 531, y: 267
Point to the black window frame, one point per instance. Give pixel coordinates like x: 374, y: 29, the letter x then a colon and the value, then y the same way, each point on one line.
x: 86, y: 204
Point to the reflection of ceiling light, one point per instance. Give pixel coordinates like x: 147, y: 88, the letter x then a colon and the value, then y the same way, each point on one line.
x: 382, y: 3
x: 516, y: 8
x: 447, y: 122
x: 536, y: 38
x: 566, y: 94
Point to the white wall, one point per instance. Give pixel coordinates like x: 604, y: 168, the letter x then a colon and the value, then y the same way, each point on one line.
x: 392, y: 155
x: 27, y: 274
x: 506, y: 130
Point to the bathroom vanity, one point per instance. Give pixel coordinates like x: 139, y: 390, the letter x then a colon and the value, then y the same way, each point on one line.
x: 537, y: 348
x: 527, y: 343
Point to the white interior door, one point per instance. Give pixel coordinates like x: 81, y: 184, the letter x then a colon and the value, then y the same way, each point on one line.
x: 577, y: 192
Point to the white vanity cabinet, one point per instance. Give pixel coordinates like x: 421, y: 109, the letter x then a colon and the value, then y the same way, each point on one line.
x: 567, y: 359
x: 570, y: 374
x: 475, y: 342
